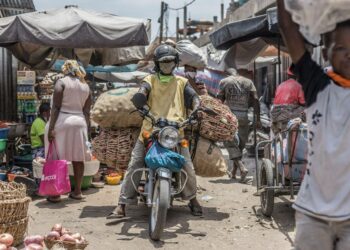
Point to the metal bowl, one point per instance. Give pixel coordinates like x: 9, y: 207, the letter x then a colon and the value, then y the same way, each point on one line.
x: 16, y: 130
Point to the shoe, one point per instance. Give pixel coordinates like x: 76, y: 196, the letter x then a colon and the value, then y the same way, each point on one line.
x: 119, y: 212
x: 243, y: 176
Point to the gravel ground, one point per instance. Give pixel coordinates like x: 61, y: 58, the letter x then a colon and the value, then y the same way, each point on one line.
x: 232, y: 220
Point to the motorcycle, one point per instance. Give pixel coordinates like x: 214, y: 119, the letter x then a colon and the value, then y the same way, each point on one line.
x: 161, y: 184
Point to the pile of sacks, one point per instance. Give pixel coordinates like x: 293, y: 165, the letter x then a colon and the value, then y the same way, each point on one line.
x: 208, y: 159
x: 119, y: 127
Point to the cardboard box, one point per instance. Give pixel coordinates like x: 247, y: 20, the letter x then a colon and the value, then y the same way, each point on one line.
x: 26, y: 77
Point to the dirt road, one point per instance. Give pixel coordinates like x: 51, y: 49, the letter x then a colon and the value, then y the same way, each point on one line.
x: 231, y: 220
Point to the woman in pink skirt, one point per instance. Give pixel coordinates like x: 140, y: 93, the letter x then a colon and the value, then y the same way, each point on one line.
x: 69, y: 121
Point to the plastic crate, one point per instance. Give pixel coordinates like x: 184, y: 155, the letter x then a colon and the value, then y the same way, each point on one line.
x: 3, y: 143
x: 4, y: 133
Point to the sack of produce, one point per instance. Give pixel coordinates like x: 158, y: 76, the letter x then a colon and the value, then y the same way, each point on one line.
x: 209, y: 160
x: 114, y: 109
x: 219, y: 127
x: 114, y: 147
x: 317, y: 17
x: 191, y: 55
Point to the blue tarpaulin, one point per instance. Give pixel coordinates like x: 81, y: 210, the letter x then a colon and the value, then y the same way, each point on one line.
x: 91, y: 69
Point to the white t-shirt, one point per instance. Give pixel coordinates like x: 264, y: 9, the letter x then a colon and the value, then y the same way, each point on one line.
x: 325, y: 191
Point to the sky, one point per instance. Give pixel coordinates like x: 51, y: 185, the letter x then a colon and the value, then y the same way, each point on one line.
x: 149, y: 9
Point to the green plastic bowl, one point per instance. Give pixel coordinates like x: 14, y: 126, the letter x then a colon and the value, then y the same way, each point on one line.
x: 3, y: 143
x: 87, y: 181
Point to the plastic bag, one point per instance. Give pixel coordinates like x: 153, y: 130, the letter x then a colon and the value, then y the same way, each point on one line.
x: 191, y: 55
x: 55, y: 179
x: 159, y: 157
x: 300, y: 141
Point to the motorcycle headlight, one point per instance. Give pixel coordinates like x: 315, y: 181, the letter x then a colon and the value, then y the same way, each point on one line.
x: 169, y: 137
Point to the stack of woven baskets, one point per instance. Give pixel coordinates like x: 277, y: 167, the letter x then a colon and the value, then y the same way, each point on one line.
x: 46, y: 86
x: 14, y: 210
x: 119, y: 128
x: 113, y: 146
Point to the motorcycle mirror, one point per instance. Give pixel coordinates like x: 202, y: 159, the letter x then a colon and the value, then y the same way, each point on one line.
x: 139, y: 100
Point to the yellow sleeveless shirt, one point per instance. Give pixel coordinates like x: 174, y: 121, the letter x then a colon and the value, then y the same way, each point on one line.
x: 165, y: 100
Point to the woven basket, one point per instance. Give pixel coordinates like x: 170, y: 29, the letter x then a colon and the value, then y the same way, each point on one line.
x: 219, y: 127
x: 17, y: 229
x: 13, y: 210
x: 119, y: 147
x: 12, y: 191
x: 67, y: 245
x: 114, y: 147
x: 99, y: 145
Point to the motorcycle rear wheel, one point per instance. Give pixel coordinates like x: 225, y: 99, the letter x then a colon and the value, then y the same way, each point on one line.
x: 160, y: 205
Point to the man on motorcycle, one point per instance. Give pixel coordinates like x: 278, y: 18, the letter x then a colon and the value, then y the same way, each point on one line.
x: 168, y: 96
x: 239, y: 93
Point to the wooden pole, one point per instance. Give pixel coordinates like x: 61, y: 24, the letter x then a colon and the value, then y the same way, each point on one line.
x: 161, y: 22
x: 185, y: 22
x: 177, y: 28
x: 222, y: 12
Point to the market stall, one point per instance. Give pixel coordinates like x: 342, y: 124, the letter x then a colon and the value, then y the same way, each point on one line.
x: 34, y: 37
x: 38, y: 40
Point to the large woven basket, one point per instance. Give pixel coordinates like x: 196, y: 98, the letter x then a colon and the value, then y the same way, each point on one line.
x: 16, y: 228
x: 114, y: 147
x: 219, y: 127
x: 12, y: 190
x: 67, y: 245
x: 99, y: 145
x: 13, y: 210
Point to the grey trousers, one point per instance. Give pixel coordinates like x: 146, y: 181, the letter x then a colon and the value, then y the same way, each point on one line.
x: 128, y: 194
x: 313, y: 233
x: 235, y: 150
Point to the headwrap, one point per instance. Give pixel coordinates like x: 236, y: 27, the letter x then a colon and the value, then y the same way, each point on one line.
x: 71, y: 67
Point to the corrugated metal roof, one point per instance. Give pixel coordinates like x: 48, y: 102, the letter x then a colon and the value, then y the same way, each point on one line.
x: 15, y: 7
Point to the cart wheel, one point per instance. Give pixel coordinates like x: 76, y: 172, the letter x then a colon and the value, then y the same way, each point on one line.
x: 267, y: 198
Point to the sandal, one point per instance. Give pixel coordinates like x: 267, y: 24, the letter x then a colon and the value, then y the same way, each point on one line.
x: 76, y: 197
x: 195, y: 210
x: 116, y: 214
x: 243, y: 176
x: 54, y: 199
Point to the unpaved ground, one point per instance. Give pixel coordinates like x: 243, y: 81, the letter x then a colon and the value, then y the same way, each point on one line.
x: 232, y: 220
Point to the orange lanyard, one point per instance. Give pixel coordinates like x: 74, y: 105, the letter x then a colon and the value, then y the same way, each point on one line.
x: 338, y: 79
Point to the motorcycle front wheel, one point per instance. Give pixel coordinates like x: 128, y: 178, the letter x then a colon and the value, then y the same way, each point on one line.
x: 160, y: 204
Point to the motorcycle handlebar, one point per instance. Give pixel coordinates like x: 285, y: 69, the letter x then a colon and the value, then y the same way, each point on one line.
x: 193, y: 117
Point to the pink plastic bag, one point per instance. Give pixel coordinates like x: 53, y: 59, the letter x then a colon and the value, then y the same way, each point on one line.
x: 55, y: 178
